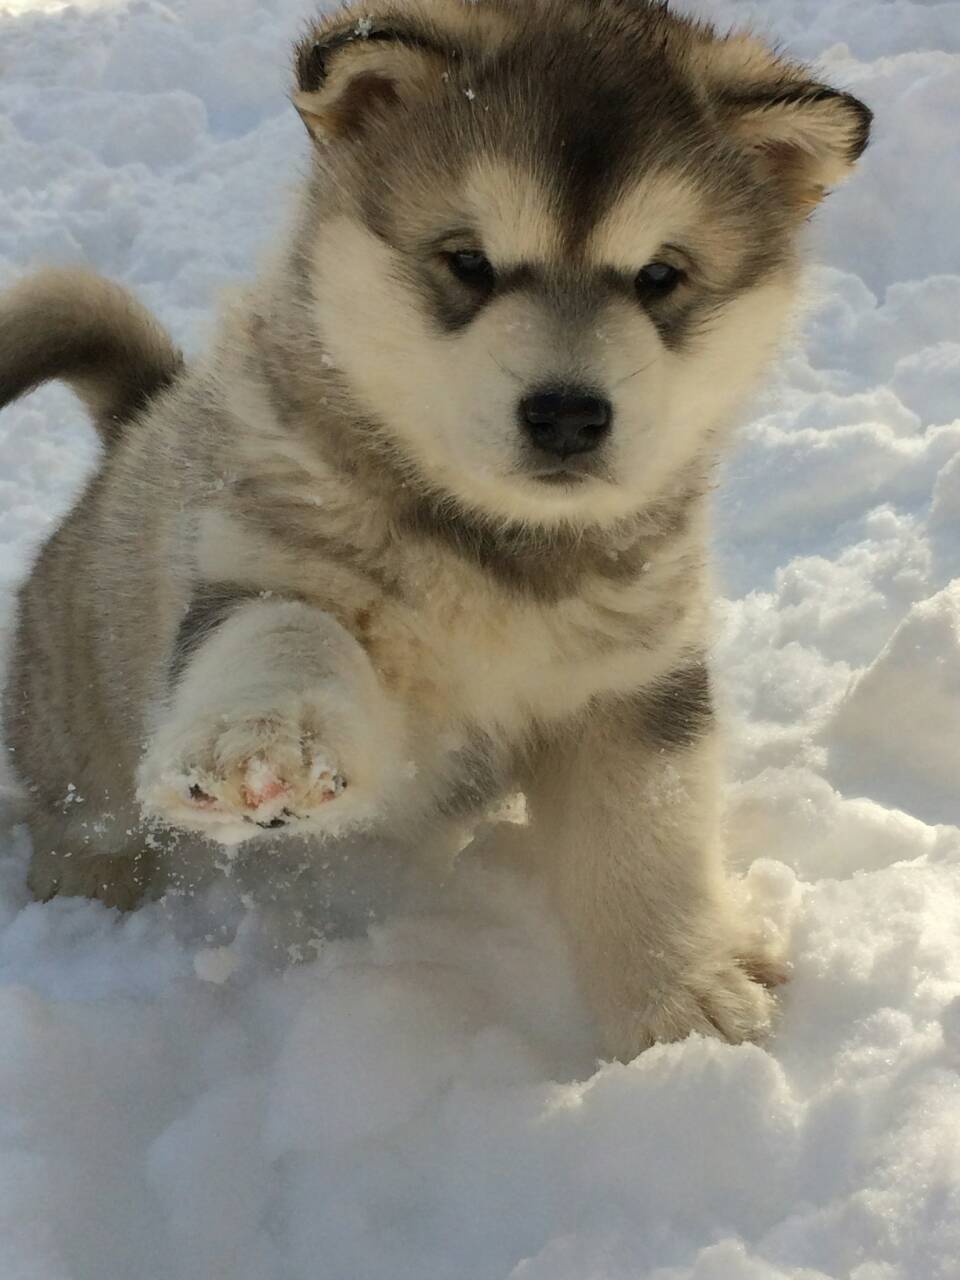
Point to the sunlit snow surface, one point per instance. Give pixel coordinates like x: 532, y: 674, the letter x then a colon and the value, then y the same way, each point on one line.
x: 422, y: 1104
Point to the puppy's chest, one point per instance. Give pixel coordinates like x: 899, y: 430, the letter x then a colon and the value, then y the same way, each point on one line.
x: 460, y: 651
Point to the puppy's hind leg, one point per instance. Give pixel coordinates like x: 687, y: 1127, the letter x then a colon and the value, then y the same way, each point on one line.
x: 65, y: 863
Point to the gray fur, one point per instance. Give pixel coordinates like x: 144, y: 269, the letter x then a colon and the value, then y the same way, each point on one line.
x: 475, y: 777
x: 211, y: 605
x: 677, y: 711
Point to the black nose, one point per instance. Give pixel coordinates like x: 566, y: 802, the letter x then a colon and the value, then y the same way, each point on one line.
x: 566, y: 422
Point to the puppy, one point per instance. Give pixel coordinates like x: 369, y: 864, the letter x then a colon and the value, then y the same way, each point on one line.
x: 428, y: 524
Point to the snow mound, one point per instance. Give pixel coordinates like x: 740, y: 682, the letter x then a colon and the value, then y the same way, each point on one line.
x: 422, y: 1103
x: 896, y: 734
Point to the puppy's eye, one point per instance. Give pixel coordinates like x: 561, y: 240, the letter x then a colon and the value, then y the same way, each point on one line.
x: 472, y: 268
x: 657, y: 279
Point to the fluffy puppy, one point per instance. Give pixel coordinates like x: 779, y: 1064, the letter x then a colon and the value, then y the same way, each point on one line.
x: 428, y: 523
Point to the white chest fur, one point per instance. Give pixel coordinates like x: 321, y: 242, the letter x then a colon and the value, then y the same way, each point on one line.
x: 459, y: 645
x: 463, y: 650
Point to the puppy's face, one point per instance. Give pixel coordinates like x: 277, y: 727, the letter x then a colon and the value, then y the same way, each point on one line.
x: 549, y: 273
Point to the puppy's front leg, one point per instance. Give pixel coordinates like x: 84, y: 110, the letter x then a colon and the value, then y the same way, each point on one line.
x: 276, y: 718
x: 625, y: 818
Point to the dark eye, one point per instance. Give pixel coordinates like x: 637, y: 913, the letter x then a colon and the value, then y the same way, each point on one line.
x: 657, y: 279
x: 471, y: 267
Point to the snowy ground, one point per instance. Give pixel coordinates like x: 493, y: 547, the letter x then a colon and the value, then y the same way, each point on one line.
x: 422, y: 1104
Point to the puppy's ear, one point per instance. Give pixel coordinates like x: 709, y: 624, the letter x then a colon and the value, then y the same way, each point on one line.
x: 347, y: 76
x: 807, y: 135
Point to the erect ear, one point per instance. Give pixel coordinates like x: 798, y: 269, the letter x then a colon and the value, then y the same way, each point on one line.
x: 806, y: 134
x: 347, y: 75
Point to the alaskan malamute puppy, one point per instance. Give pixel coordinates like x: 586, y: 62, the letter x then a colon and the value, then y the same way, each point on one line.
x: 429, y: 523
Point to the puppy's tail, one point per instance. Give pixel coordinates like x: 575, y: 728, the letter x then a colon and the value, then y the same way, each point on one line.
x: 74, y: 325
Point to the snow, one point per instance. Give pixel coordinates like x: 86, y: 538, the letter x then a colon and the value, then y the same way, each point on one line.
x: 423, y: 1102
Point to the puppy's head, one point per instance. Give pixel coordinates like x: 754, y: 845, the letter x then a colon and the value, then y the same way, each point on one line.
x: 554, y: 240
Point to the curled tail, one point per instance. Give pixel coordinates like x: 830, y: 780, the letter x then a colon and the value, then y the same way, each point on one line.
x: 74, y: 325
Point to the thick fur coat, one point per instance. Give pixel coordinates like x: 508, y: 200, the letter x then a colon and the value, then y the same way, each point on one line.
x: 427, y: 525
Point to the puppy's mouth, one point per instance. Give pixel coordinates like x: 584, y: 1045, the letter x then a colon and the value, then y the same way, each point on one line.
x: 560, y: 477
x: 577, y: 469
x: 535, y: 468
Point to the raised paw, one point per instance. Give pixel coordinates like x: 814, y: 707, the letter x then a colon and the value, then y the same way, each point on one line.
x: 240, y: 778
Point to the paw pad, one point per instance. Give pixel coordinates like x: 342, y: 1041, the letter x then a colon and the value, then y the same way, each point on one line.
x: 227, y: 796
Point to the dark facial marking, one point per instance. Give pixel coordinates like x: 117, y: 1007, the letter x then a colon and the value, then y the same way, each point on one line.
x: 452, y: 299
x: 678, y: 321
x: 601, y: 129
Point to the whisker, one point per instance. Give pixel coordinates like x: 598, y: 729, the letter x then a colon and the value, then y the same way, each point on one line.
x: 503, y: 368
x: 643, y: 368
